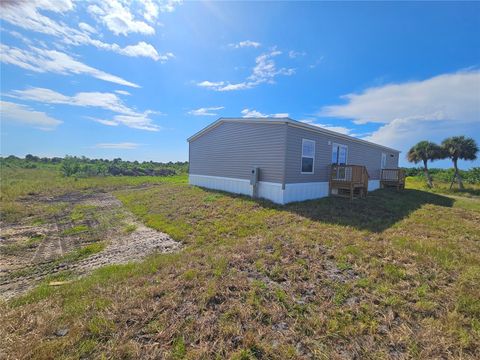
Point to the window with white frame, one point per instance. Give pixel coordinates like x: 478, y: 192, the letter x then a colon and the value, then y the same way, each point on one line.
x: 308, y: 156
x: 383, y: 164
x: 339, y: 154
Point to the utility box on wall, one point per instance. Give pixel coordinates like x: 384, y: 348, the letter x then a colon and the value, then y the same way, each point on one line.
x: 254, y: 176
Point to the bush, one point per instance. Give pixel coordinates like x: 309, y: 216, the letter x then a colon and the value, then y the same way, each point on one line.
x: 471, y: 176
x: 84, y: 167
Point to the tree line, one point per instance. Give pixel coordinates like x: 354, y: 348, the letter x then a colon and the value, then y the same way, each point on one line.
x: 84, y: 167
x: 454, y: 148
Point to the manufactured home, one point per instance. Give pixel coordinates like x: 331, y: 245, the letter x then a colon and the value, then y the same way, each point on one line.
x: 284, y: 160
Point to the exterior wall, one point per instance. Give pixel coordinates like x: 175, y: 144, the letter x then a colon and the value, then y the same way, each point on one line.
x: 357, y: 154
x: 232, y: 149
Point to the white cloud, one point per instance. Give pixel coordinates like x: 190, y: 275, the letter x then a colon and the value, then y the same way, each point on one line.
x: 122, y: 92
x: 107, y: 101
x: 210, y: 84
x: 104, y: 122
x: 246, y: 43
x: 432, y: 109
x: 141, y: 49
x: 247, y: 113
x: 123, y: 145
x: 316, y: 63
x: 27, y: 14
x: 452, y: 96
x: 40, y: 60
x: 151, y: 10
x: 168, y: 5
x: 264, y: 71
x: 88, y: 28
x: 138, y: 121
x: 292, y: 54
x: 207, y: 111
x: 23, y: 114
x: 118, y: 18
x: 238, y: 86
x: 339, y: 129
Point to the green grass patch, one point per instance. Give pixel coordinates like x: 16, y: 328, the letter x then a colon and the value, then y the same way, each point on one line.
x: 75, y: 230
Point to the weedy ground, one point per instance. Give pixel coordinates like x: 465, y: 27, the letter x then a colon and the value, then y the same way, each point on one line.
x: 396, y: 275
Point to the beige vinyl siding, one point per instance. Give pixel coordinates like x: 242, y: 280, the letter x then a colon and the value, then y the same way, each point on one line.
x: 232, y: 149
x: 357, y: 154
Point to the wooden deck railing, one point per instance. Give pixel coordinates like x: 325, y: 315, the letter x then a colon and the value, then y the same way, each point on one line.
x: 349, y: 177
x: 392, y: 177
x: 349, y: 173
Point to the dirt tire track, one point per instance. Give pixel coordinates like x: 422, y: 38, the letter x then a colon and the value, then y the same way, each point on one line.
x: 120, y: 247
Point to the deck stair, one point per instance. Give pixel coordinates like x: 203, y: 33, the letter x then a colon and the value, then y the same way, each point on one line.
x: 348, y: 181
x: 392, y: 178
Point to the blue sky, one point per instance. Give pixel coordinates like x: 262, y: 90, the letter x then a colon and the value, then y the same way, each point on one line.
x: 134, y: 79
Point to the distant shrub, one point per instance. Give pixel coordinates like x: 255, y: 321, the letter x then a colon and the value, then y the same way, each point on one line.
x: 81, y: 167
x: 471, y: 176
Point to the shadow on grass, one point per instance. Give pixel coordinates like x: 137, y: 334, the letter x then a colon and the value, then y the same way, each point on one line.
x: 380, y: 210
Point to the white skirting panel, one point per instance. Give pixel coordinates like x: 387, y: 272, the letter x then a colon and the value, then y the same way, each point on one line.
x: 305, y: 191
x: 373, y: 185
x: 237, y: 186
x: 269, y: 190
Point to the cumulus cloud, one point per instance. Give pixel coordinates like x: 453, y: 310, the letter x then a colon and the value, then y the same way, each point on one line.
x: 146, y: 50
x: 247, y: 113
x: 28, y: 15
x: 107, y: 101
x: 42, y: 61
x: 206, y: 111
x: 18, y: 113
x: 433, y: 108
x: 449, y: 96
x: 118, y: 18
x: 246, y: 43
x: 264, y: 71
x: 123, y: 146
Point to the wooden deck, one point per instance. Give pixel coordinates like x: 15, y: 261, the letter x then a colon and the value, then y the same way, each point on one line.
x: 348, y: 180
x: 392, y: 178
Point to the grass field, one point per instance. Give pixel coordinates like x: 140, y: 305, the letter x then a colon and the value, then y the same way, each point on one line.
x: 396, y: 275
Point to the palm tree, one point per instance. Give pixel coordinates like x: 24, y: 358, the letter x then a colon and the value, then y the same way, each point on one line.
x: 424, y: 151
x: 459, y: 147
